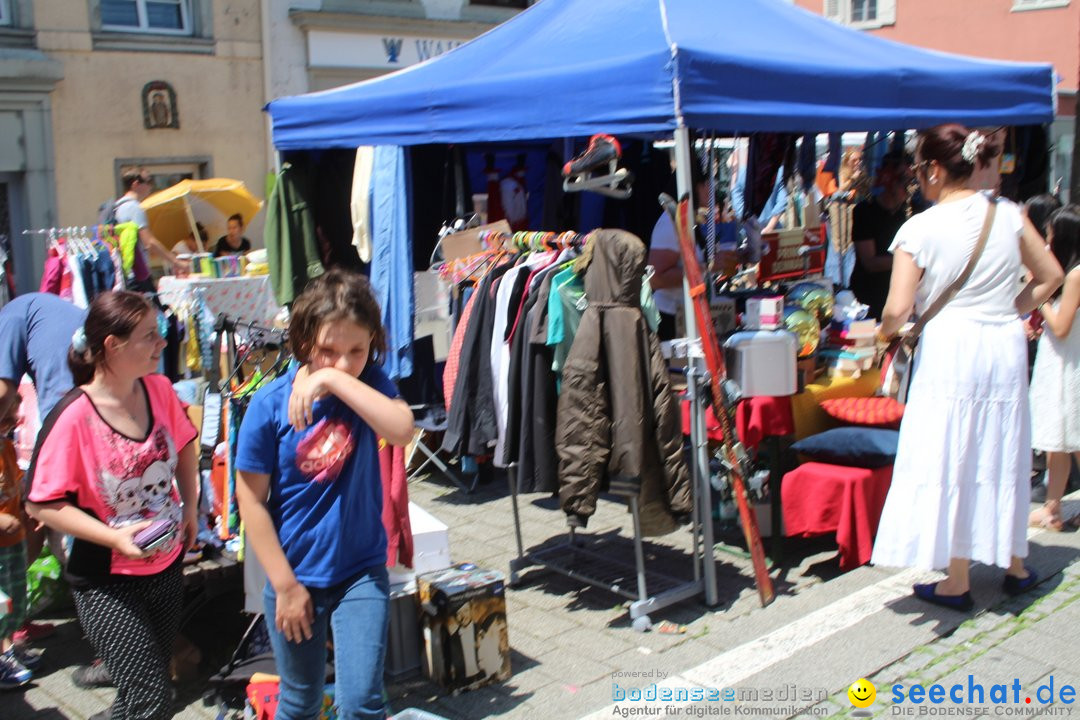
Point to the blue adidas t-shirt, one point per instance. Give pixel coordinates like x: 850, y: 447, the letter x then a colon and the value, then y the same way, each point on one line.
x: 325, y: 485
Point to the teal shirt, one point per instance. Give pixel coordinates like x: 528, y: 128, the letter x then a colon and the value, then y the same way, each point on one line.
x: 566, y: 305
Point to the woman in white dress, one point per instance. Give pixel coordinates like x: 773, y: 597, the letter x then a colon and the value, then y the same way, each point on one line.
x: 1055, y: 381
x: 961, y: 487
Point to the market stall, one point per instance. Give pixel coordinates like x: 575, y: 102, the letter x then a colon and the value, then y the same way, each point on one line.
x: 658, y: 69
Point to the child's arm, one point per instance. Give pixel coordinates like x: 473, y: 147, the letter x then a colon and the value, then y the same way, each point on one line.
x: 390, y: 418
x: 1060, y: 319
x: 295, y: 612
x: 70, y: 520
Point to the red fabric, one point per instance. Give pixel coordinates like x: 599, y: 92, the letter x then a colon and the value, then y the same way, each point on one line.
x: 51, y: 276
x: 871, y: 411
x: 395, y: 509
x: 818, y: 499
x: 755, y: 419
x: 453, y: 356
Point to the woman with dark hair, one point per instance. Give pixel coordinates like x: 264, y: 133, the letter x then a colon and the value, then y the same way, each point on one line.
x: 1055, y: 380
x: 310, y: 495
x: 109, y: 461
x: 961, y: 481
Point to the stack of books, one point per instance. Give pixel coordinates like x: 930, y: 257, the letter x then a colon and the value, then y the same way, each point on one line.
x: 849, y: 348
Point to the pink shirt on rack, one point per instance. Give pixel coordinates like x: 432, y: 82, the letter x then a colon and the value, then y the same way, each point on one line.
x: 119, y: 480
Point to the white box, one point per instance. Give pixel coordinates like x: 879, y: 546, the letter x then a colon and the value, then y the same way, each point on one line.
x: 431, y: 546
x: 763, y: 362
x: 764, y: 313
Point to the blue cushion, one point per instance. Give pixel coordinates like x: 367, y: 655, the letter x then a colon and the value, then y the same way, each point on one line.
x: 852, y: 446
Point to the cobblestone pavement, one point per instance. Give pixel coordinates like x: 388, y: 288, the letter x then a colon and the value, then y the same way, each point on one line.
x: 571, y: 643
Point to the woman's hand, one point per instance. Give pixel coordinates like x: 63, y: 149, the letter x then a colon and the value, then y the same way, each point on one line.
x: 307, y: 388
x: 190, y: 526
x: 124, y: 540
x: 294, y: 613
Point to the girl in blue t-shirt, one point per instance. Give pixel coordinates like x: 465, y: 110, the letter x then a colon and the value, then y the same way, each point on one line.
x: 310, y: 495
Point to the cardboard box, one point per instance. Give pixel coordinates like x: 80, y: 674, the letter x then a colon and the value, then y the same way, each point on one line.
x: 466, y: 643
x: 764, y: 313
x: 403, y: 646
x: 431, y: 546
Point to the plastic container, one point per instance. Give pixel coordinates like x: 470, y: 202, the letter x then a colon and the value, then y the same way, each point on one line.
x: 414, y: 714
x: 763, y: 362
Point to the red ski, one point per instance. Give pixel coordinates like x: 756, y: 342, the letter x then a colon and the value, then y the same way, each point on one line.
x: 733, y: 452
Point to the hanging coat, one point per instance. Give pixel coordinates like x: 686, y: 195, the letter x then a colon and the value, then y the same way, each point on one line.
x: 291, y: 248
x: 618, y: 420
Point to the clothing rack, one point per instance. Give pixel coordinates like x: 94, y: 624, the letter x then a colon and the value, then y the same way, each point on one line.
x: 648, y: 590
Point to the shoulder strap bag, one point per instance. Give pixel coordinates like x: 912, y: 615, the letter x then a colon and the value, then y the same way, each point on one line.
x: 896, y: 372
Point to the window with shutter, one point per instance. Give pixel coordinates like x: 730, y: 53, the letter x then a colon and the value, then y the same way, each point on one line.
x: 832, y: 10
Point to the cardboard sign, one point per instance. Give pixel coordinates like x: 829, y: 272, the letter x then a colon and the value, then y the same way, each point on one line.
x: 798, y: 252
x: 467, y: 242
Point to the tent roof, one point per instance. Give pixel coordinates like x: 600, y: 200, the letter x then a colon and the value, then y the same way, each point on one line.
x: 571, y: 68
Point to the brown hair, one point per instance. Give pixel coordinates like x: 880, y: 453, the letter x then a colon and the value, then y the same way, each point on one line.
x: 337, y: 295
x: 131, y: 176
x: 111, y: 313
x: 945, y: 143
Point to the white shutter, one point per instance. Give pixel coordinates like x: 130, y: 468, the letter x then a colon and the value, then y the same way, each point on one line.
x: 833, y: 10
x: 886, y: 12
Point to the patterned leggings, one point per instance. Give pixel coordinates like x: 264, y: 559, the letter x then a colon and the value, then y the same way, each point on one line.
x: 13, y: 583
x: 132, y: 626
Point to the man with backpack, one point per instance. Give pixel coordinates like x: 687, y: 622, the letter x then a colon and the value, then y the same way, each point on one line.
x: 137, y: 186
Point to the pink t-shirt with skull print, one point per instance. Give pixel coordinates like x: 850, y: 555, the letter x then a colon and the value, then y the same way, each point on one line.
x: 118, y: 479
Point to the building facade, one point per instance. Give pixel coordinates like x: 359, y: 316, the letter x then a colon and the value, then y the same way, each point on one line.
x: 1020, y: 30
x: 319, y: 44
x: 89, y: 88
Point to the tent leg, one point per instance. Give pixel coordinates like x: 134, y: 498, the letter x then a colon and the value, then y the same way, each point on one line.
x: 699, y: 461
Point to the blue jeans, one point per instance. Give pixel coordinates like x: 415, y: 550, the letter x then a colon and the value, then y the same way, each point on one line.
x: 356, y: 611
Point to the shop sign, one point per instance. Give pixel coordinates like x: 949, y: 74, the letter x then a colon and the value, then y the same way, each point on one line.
x: 792, y: 253
x: 356, y: 50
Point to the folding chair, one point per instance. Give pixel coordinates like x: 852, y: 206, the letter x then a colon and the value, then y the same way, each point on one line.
x: 423, y: 391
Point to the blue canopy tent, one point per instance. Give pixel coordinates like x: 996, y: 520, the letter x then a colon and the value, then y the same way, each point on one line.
x: 571, y: 68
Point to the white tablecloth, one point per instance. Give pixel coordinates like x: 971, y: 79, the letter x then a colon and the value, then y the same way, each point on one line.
x: 244, y: 298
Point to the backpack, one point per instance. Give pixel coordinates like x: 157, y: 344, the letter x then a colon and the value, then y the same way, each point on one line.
x: 107, y: 210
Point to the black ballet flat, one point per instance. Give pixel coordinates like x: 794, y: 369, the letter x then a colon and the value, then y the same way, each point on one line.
x: 928, y: 592
x: 1018, y: 586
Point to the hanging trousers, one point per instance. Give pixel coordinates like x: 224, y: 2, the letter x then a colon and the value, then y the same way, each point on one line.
x: 132, y: 625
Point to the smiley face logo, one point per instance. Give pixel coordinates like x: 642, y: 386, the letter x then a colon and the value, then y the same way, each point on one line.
x: 862, y: 693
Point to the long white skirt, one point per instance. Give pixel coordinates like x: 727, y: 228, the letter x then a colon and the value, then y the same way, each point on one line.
x: 962, y: 480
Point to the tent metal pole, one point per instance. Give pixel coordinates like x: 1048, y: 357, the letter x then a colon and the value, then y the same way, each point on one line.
x: 699, y: 464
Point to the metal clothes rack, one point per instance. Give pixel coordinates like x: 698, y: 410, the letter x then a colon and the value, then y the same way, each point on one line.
x: 648, y: 591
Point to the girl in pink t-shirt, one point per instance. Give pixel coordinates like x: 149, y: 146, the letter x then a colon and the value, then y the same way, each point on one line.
x: 113, y: 458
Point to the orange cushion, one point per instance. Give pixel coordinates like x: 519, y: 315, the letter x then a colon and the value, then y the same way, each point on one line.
x: 873, y: 411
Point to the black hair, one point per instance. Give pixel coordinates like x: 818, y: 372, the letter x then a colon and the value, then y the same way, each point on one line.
x: 238, y: 218
x: 336, y: 295
x: 1040, y: 208
x: 1065, y: 244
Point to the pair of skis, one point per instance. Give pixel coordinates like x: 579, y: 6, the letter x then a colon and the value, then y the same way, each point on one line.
x: 734, y: 455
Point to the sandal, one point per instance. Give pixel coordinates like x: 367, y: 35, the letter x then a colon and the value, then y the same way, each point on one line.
x: 1047, y: 519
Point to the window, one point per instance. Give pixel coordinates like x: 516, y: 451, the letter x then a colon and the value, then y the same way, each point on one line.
x: 862, y: 14
x: 5, y: 13
x: 170, y: 17
x: 1038, y: 4
x: 863, y: 11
